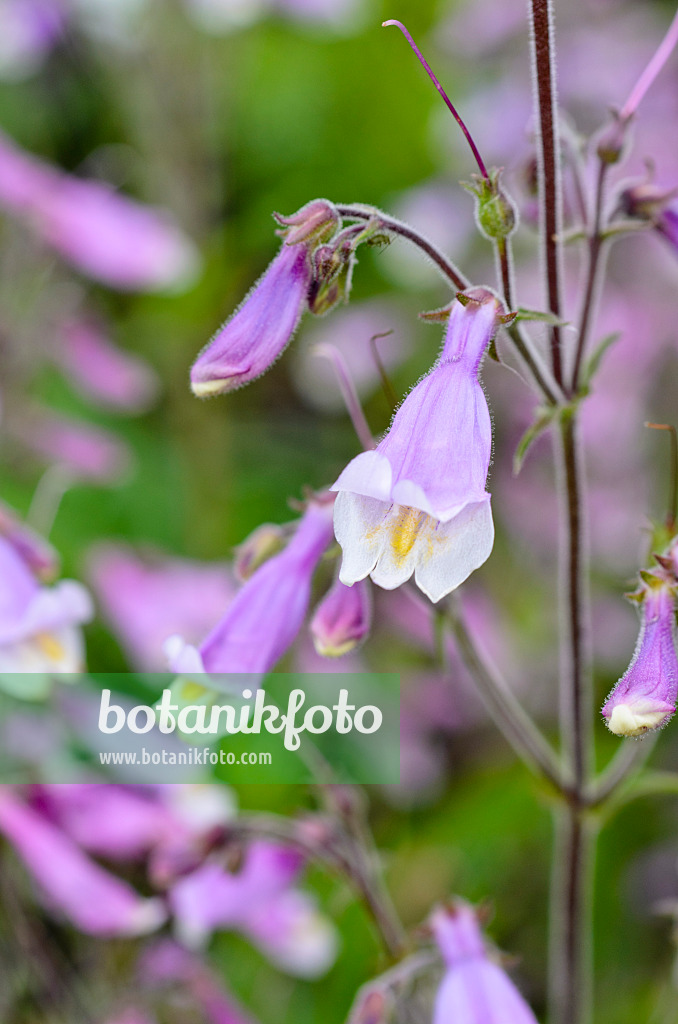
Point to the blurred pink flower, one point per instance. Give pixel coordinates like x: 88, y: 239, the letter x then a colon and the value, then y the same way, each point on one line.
x: 95, y: 901
x: 342, y: 619
x: 167, y: 964
x: 261, y: 901
x: 147, y: 597
x: 101, y: 370
x: 87, y: 452
x: 105, y: 235
x: 38, y: 625
x: 28, y: 31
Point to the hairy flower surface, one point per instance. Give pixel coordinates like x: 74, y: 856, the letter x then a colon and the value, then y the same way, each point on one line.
x: 474, y: 990
x: 417, y: 503
x: 250, y: 342
x: 645, y: 696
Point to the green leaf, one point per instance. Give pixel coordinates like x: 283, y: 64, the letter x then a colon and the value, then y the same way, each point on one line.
x: 545, y: 416
x: 592, y: 364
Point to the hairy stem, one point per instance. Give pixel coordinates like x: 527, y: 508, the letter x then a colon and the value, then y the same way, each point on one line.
x: 549, y: 389
x: 571, y: 943
x: 341, y: 853
x: 596, y: 245
x: 549, y: 165
x: 444, y: 265
x: 571, y: 975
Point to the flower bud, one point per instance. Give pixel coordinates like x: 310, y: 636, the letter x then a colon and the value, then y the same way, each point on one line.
x: 250, y: 342
x: 342, y: 619
x: 495, y: 210
x: 264, y: 542
x: 645, y: 696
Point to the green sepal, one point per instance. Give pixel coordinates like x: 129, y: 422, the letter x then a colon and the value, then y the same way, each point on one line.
x: 538, y: 316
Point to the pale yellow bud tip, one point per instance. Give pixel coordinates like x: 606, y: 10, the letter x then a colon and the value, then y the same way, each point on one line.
x: 206, y: 388
x: 628, y: 721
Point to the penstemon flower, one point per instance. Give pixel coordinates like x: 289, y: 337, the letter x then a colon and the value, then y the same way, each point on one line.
x: 417, y: 503
x: 267, y: 612
x: 250, y: 342
x: 474, y: 989
x: 645, y: 696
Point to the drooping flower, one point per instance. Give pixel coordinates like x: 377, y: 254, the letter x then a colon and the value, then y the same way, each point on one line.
x: 108, y: 236
x: 417, y: 503
x: 250, y: 342
x: 474, y: 989
x: 260, y: 900
x: 267, y: 613
x: 38, y: 625
x: 645, y: 696
x: 95, y: 901
x: 342, y: 619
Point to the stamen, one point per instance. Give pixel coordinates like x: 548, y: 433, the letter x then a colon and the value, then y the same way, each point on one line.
x: 405, y: 529
x: 448, y: 102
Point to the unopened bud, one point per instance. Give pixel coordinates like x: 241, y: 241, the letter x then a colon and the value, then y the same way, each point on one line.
x: 264, y: 542
x: 342, y: 619
x: 315, y: 222
x: 495, y: 210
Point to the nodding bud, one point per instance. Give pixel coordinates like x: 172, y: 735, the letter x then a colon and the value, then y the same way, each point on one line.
x: 495, y: 210
x: 264, y: 542
x: 342, y: 619
x: 372, y: 1009
x: 645, y: 697
x: 258, y: 332
x: 315, y: 222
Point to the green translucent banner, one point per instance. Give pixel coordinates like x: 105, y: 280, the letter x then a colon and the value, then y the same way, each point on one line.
x: 161, y: 728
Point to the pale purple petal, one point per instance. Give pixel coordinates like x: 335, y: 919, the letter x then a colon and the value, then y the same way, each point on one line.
x: 268, y: 611
x: 645, y: 696
x: 342, y: 619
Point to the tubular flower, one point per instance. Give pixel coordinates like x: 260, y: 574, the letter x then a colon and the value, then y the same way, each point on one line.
x: 250, y: 342
x: 417, y: 503
x: 474, y: 990
x: 645, y: 696
x: 267, y: 613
